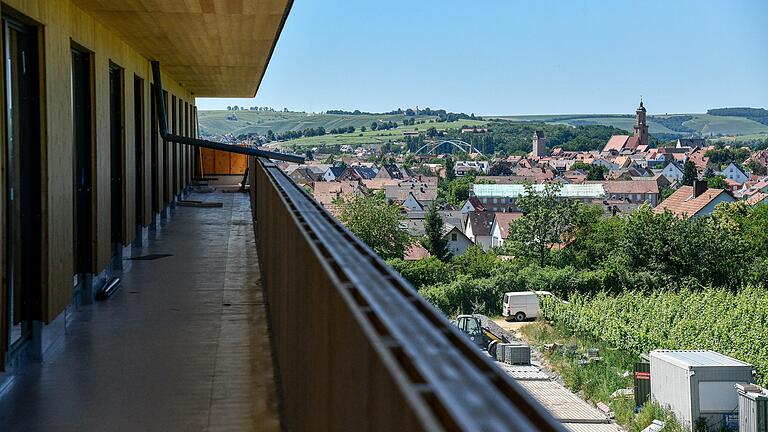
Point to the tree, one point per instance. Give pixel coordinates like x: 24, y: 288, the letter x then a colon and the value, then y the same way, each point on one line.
x: 450, y: 174
x: 362, y: 129
x: 580, y: 165
x: 374, y: 126
x: 433, y: 239
x: 375, y: 222
x: 501, y: 168
x: 717, y: 182
x: 756, y: 167
x: 308, y: 155
x: 689, y: 173
x: 545, y: 222
x: 596, y: 172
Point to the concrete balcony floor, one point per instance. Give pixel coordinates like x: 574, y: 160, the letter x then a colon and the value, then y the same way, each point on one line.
x: 182, y: 346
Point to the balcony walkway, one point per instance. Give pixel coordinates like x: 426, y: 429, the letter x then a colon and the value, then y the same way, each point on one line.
x: 182, y: 346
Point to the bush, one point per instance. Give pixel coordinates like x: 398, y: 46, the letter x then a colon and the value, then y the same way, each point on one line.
x: 427, y: 271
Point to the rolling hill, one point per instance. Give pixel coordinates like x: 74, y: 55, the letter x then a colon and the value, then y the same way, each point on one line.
x: 665, y: 127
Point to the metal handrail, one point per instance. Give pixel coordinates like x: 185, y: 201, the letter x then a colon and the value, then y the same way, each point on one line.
x: 169, y: 137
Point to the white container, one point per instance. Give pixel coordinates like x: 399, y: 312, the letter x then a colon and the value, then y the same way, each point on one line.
x: 697, y: 384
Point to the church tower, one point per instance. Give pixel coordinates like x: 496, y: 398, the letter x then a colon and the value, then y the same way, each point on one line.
x: 641, y: 127
x: 539, y: 144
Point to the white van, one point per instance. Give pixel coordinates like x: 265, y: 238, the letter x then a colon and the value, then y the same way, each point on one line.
x: 519, y: 306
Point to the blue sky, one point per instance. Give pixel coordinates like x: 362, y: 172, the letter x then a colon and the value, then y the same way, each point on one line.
x: 518, y: 57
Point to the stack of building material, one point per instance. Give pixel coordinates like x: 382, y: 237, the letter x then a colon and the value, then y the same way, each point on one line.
x: 517, y: 354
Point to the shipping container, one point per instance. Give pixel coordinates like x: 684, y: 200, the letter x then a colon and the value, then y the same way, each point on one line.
x: 698, y: 386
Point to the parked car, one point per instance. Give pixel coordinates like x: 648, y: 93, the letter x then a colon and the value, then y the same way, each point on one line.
x: 519, y: 306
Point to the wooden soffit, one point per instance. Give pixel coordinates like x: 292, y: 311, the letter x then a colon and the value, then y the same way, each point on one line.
x: 213, y: 48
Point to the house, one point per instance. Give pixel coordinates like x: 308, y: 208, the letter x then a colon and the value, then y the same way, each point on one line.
x: 333, y: 173
x: 694, y: 201
x: 412, y: 204
x: 500, y: 228
x: 478, y: 228
x: 390, y: 171
x: 356, y: 173
x: 456, y: 241
x: 632, y: 191
x: 472, y: 204
x: 327, y: 192
x: 691, y: 142
x: 422, y: 193
x: 305, y: 176
x: 672, y: 171
x: 462, y: 168
x: 757, y: 198
x: 615, y: 144
x: 735, y: 173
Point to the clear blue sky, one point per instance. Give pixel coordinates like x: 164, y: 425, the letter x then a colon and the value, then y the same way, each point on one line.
x: 518, y: 57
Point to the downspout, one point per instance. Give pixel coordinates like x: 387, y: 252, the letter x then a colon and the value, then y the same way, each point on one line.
x: 169, y: 137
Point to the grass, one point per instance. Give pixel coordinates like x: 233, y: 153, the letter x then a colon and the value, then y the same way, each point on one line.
x: 596, y: 381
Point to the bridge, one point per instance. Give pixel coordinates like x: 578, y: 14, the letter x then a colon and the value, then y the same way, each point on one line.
x: 458, y: 144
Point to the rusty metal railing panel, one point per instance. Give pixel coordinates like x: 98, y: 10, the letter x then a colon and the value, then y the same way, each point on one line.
x: 356, y: 347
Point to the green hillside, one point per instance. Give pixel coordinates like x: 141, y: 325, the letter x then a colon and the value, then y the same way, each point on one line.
x: 701, y: 124
x: 259, y: 122
x: 664, y: 127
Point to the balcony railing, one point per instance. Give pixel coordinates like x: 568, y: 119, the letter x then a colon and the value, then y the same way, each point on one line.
x: 356, y: 347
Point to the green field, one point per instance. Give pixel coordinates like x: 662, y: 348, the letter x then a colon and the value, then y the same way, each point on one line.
x: 704, y: 124
x: 216, y: 123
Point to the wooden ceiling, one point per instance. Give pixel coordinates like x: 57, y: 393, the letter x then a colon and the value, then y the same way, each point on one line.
x: 213, y: 48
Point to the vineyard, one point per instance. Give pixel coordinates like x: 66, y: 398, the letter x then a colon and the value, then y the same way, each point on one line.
x: 735, y: 324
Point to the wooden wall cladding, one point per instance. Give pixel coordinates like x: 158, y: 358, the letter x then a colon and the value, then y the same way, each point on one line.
x: 64, y: 23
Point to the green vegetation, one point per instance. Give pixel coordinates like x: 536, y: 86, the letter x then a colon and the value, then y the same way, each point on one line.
x: 689, y: 173
x: 375, y: 222
x: 759, y: 115
x: 732, y: 323
x: 515, y: 137
x: 642, y: 251
x: 512, y: 136
x: 596, y: 381
x: 659, y: 126
x: 723, y: 156
x: 544, y: 222
x: 433, y: 240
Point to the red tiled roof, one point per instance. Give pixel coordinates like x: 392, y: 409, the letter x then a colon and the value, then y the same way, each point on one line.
x: 416, y: 251
x: 649, y: 186
x: 503, y: 220
x: 757, y: 198
x: 616, y: 143
x: 681, y: 203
